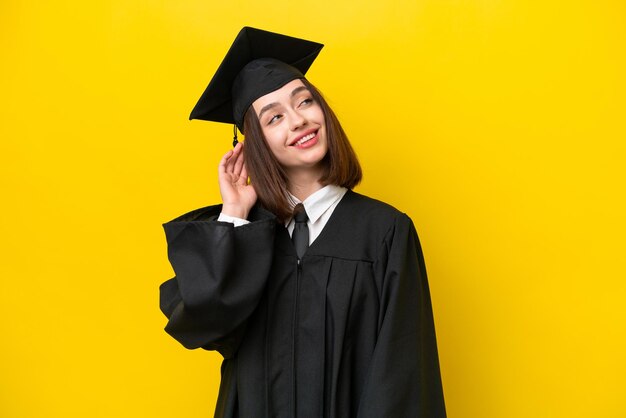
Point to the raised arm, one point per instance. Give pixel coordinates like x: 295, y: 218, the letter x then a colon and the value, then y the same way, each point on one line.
x: 221, y: 270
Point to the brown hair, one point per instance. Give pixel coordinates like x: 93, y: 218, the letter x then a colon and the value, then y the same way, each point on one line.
x: 341, y: 166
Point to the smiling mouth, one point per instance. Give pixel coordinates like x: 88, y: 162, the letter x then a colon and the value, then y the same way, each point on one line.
x: 305, y: 139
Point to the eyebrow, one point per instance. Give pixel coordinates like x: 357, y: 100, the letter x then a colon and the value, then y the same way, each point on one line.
x: 271, y: 105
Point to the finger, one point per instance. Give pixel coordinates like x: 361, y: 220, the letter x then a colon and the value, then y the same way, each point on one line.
x: 237, y: 148
x: 234, y: 158
x: 232, y: 161
x: 238, y: 165
x: 221, y: 168
x: 244, y: 174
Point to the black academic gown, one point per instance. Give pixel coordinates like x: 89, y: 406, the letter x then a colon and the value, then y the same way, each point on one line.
x: 348, y: 332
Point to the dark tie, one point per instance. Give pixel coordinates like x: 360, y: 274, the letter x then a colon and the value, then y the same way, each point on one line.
x: 300, y: 236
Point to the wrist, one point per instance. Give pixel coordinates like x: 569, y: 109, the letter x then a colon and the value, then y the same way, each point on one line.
x: 235, y: 211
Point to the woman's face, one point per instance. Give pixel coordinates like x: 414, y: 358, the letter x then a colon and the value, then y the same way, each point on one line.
x: 293, y: 124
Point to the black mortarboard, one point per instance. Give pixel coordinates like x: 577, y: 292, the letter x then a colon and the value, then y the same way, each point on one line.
x: 257, y: 63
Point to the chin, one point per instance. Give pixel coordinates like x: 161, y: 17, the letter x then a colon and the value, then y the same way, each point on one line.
x: 316, y: 160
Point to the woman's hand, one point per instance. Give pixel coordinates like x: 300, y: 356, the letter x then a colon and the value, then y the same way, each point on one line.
x: 238, y: 196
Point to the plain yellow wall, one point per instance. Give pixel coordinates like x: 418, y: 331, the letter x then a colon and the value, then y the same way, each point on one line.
x: 498, y: 126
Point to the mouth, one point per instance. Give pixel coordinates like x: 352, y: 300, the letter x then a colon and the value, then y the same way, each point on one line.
x: 308, y: 136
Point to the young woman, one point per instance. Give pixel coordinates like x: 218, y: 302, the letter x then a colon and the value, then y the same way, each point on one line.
x: 315, y: 295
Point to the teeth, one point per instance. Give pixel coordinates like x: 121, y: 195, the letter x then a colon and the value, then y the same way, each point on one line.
x: 306, y: 138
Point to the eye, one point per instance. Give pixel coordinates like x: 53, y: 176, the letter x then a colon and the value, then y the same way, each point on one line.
x: 306, y: 102
x: 274, y: 119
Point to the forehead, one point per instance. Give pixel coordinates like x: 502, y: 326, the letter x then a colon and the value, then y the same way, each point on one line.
x: 279, y: 95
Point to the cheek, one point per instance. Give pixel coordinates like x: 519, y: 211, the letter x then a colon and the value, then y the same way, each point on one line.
x: 318, y: 115
x: 275, y: 142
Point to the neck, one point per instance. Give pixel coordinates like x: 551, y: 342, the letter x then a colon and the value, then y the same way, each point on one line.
x: 304, y: 183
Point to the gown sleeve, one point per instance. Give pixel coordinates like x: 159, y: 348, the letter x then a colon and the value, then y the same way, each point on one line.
x: 403, y: 379
x: 221, y: 272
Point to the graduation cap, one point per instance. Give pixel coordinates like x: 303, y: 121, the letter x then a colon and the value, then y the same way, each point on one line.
x: 257, y: 63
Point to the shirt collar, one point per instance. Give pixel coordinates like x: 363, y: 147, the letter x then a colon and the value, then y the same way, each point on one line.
x: 319, y: 202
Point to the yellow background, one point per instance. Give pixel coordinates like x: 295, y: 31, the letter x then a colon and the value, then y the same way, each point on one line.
x: 498, y: 126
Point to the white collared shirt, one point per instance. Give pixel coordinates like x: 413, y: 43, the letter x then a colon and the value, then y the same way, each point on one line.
x: 319, y: 207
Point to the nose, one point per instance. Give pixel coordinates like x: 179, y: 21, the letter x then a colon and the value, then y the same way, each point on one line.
x: 296, y: 120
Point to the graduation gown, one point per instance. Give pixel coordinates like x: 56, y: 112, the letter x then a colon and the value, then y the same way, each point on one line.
x: 347, y: 332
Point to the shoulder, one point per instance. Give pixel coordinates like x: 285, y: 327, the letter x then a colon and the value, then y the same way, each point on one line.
x: 363, y: 226
x: 392, y: 230
x: 373, y: 210
x: 382, y: 220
